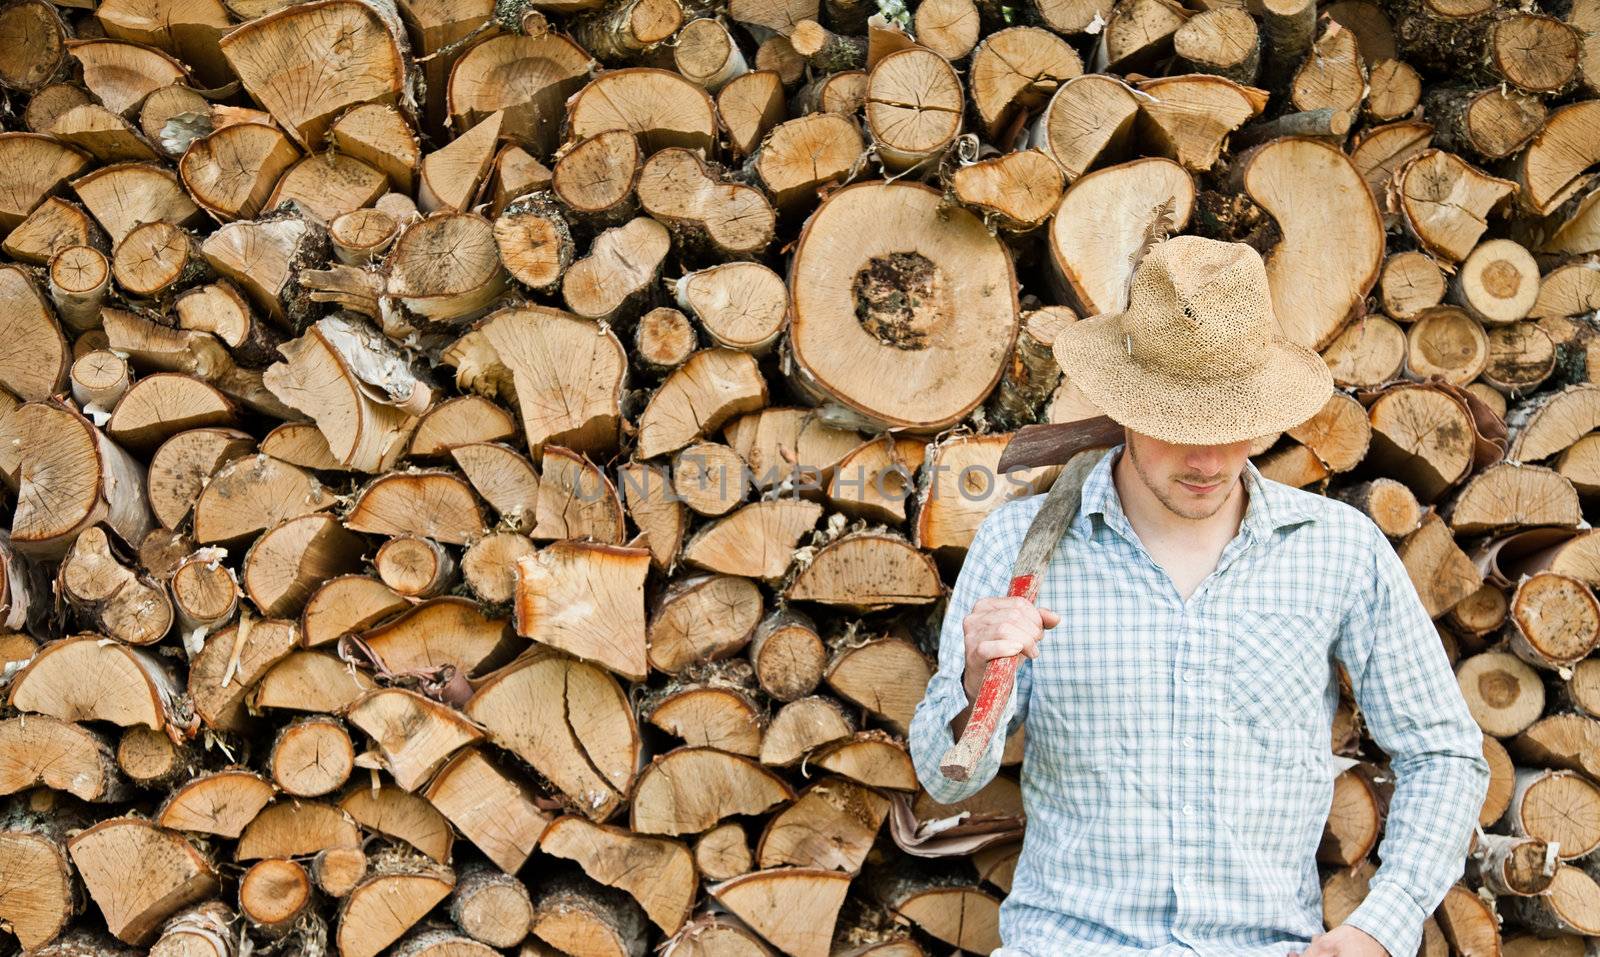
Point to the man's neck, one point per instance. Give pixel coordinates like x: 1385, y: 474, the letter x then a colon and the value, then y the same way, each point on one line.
x: 1153, y: 521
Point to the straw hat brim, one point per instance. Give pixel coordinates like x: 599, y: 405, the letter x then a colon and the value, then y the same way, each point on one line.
x: 1291, y: 385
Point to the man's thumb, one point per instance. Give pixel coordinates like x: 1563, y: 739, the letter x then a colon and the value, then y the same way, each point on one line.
x: 1049, y: 618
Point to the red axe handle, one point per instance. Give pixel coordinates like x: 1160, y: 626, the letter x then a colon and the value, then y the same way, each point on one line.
x: 998, y: 674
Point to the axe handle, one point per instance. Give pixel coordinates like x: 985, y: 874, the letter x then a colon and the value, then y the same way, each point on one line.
x: 998, y: 679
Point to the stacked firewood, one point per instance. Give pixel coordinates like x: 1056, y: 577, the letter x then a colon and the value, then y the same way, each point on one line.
x: 485, y: 476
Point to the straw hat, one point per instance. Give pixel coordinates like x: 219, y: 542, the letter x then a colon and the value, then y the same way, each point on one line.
x: 1196, y: 358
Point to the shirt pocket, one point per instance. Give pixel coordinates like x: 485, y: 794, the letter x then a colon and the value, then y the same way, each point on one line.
x: 1278, y: 672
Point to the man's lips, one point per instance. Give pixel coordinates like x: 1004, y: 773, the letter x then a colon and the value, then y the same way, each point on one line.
x: 1200, y: 489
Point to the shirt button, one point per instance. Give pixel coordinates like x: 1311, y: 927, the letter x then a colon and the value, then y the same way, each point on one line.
x: 1188, y: 742
x: 1188, y: 676
x: 1188, y: 809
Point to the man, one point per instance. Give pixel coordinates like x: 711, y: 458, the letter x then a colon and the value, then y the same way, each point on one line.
x: 1177, y: 771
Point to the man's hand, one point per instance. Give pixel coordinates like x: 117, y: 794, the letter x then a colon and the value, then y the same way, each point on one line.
x: 997, y: 627
x: 1343, y: 941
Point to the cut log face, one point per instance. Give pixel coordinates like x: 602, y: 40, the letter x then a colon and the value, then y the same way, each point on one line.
x: 492, y: 906
x: 390, y: 811
x: 1017, y: 70
x: 286, y: 564
x: 347, y: 603
x: 428, y: 504
x: 658, y: 873
x: 795, y: 909
x: 1507, y: 496
x: 887, y: 676
x: 757, y: 540
x: 442, y: 631
x: 570, y: 720
x: 560, y: 602
x: 172, y: 874
x: 84, y: 678
x: 576, y: 500
x: 529, y: 78
x: 36, y: 751
x: 1554, y: 620
x: 710, y: 388
x: 388, y: 903
x: 702, y: 212
x: 347, y: 37
x: 800, y: 726
x: 576, y: 915
x: 664, y: 801
x: 831, y: 826
x: 855, y: 571
x: 250, y: 494
x: 1444, y: 202
x: 414, y: 735
x: 838, y: 264
x: 38, y: 909
x: 223, y: 803
x: 295, y: 829
x: 1503, y: 692
x: 491, y: 807
x: 463, y: 420
x: 567, y: 380
x: 660, y: 107
x: 701, y: 618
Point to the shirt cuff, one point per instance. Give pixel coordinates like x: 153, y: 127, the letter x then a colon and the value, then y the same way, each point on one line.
x: 1391, y: 916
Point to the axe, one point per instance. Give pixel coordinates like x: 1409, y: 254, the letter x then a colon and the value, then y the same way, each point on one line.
x: 1032, y: 446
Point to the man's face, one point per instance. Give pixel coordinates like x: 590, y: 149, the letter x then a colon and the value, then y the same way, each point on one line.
x: 1192, y: 481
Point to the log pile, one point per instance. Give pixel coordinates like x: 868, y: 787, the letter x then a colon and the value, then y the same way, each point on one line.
x: 485, y: 476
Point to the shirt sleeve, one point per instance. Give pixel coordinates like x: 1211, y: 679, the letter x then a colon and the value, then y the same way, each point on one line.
x: 986, y: 572
x: 1413, y: 707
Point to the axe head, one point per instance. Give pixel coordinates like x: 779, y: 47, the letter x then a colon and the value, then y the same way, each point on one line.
x: 1055, y: 443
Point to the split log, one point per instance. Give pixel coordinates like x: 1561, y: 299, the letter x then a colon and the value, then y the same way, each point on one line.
x: 801, y: 726
x: 400, y: 890
x: 413, y: 734
x: 428, y: 504
x: 310, y: 681
x: 710, y: 706
x: 87, y: 678
x: 701, y: 618
x: 38, y: 751
x: 455, y: 295
x: 172, y: 874
x: 856, y: 570
x: 284, y: 566
x: 390, y: 811
x: 222, y: 803
x: 756, y: 898
x: 570, y: 720
x: 659, y: 873
x: 232, y: 660
x: 664, y: 802
x: 832, y: 825
x: 547, y: 351
x: 460, y: 421
x: 491, y: 807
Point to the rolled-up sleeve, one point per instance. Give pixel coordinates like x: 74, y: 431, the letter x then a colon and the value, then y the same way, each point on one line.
x: 1413, y: 707
x: 985, y: 572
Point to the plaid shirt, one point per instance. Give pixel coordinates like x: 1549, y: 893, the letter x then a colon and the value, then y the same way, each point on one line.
x: 1177, y: 768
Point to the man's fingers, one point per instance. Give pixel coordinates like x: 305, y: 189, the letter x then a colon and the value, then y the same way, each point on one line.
x: 1050, y: 618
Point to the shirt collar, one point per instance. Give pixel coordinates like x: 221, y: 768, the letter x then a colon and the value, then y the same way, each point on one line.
x: 1271, y: 505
